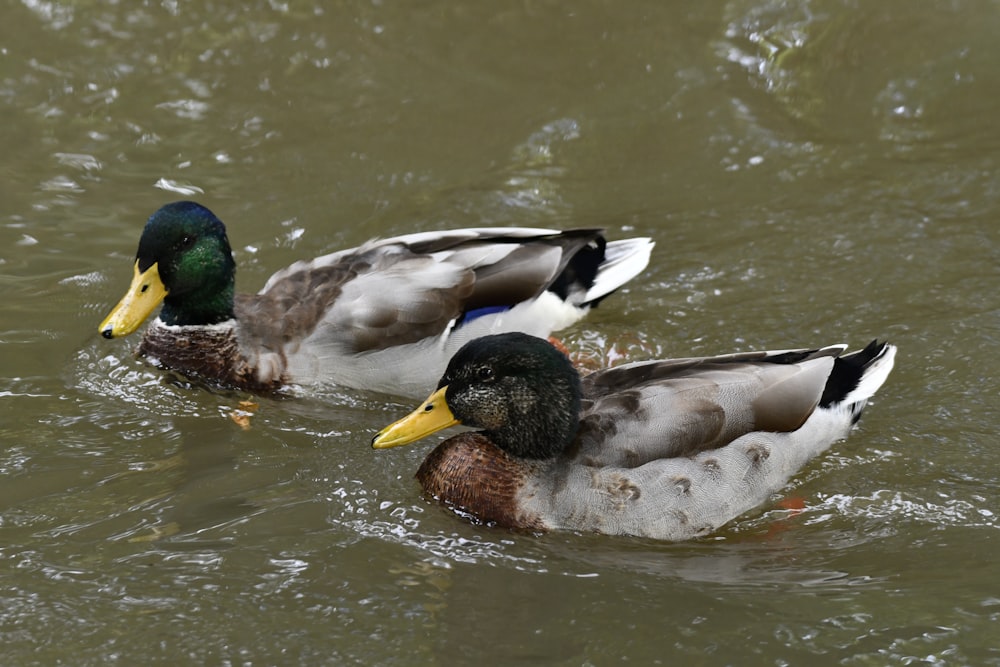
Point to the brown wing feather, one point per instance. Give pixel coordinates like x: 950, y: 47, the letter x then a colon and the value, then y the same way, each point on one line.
x: 635, y: 414
x: 292, y: 308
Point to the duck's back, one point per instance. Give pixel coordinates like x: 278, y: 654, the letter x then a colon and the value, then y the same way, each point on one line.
x: 674, y: 450
x: 388, y: 315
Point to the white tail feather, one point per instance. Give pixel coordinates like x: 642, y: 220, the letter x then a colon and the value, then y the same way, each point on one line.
x: 623, y: 260
x: 873, y: 377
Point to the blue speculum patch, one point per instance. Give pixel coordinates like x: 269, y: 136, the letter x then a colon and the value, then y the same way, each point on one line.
x: 479, y: 312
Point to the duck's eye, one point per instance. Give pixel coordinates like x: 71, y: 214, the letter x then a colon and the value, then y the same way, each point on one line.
x: 185, y: 242
x: 484, y: 373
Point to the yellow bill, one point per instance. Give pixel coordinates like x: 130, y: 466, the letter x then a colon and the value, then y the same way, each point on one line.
x: 144, y: 294
x: 432, y: 416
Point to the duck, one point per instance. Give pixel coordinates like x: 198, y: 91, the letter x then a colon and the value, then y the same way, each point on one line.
x: 668, y: 449
x: 385, y: 316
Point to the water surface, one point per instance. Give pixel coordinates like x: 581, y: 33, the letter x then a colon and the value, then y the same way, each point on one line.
x: 813, y: 172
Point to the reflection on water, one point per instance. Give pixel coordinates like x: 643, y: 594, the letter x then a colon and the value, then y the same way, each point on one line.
x: 813, y: 172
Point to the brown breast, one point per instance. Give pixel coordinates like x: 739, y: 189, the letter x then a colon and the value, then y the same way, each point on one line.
x: 474, y: 476
x: 210, y: 354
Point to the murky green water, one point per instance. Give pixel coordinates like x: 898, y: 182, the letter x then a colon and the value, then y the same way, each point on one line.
x: 813, y: 172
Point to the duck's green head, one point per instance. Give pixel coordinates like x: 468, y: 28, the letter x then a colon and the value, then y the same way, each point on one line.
x: 185, y: 262
x: 522, y: 391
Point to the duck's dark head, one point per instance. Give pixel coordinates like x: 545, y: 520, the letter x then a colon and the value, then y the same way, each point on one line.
x: 523, y: 393
x: 184, y: 261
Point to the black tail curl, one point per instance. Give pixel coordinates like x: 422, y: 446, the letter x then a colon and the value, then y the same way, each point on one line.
x: 848, y: 370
